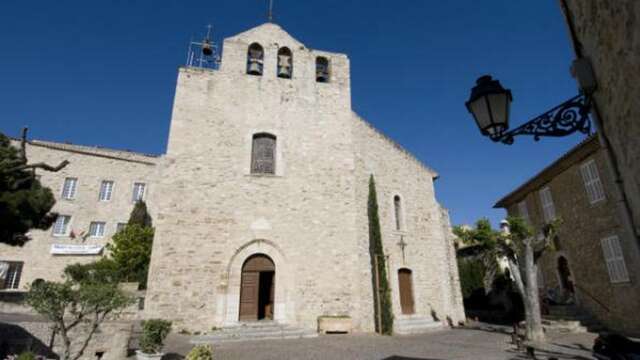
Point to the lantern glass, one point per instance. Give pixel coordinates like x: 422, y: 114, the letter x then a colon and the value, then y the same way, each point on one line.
x: 489, y: 104
x: 499, y: 104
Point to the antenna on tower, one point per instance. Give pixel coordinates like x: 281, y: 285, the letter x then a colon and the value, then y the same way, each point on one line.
x: 203, y: 54
x: 270, y: 14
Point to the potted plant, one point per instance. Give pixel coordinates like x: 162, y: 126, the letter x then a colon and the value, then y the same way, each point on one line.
x: 154, y: 332
x: 200, y: 352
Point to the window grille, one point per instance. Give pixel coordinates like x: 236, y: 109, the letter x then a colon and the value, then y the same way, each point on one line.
x: 263, y: 154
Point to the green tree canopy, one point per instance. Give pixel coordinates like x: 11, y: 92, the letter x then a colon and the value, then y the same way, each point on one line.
x: 131, y: 251
x: 24, y: 203
x: 522, y: 249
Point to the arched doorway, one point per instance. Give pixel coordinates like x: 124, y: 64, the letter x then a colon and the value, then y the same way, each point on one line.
x: 564, y: 273
x: 257, y: 288
x: 405, y: 284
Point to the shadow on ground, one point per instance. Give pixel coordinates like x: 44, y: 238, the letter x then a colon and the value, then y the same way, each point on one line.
x: 14, y: 339
x: 407, y: 358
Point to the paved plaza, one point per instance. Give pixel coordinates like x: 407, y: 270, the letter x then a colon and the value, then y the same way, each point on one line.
x: 483, y: 342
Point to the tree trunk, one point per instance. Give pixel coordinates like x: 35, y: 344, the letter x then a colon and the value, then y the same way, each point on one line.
x: 532, y: 301
x: 525, y: 277
x: 66, y: 342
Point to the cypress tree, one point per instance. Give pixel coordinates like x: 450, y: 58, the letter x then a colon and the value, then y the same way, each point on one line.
x: 140, y: 215
x: 381, y: 289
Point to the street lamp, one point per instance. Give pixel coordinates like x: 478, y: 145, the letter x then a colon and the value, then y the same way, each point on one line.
x: 489, y: 104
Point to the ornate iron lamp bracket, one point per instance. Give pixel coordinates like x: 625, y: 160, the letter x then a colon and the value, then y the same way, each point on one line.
x: 564, y: 119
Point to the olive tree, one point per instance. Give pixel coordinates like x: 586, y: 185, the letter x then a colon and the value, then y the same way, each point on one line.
x: 78, y: 305
x: 521, y: 249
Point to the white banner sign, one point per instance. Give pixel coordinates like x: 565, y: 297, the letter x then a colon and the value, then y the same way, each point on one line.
x: 70, y: 249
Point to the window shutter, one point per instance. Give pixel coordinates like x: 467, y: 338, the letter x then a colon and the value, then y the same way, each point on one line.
x: 592, y: 183
x: 614, y: 259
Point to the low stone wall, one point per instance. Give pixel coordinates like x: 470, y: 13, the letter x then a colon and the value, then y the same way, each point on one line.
x: 13, y: 303
x: 20, y: 332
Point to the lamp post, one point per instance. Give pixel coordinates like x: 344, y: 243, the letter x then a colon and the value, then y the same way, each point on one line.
x: 489, y: 104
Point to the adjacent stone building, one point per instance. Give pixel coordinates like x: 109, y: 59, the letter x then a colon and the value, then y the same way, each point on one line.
x: 594, y: 258
x: 607, y: 33
x: 260, y: 202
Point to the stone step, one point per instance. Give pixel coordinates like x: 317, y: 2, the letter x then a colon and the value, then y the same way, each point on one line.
x: 564, y: 310
x: 252, y: 332
x: 415, y: 325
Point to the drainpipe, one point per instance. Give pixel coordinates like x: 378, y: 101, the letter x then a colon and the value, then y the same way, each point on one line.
x: 623, y: 201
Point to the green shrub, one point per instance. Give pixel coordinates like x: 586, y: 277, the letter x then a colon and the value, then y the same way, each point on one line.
x: 26, y: 355
x: 154, y: 332
x: 471, y: 275
x: 200, y: 352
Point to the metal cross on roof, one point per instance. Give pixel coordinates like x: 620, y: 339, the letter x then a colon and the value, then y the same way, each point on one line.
x: 270, y: 14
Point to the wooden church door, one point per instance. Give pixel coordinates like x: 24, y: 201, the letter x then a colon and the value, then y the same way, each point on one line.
x: 406, y: 291
x: 257, y: 288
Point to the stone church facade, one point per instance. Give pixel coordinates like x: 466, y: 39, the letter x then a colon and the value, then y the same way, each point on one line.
x: 260, y: 202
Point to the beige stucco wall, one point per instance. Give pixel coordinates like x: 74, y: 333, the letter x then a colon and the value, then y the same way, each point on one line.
x: 583, y: 227
x: 90, y: 166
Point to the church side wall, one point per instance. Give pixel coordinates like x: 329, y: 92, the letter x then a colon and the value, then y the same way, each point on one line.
x: 427, y: 248
x: 90, y: 170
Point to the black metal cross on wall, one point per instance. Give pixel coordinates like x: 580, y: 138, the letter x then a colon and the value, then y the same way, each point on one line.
x: 402, y: 245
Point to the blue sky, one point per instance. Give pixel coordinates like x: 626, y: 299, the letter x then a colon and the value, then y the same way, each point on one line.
x: 103, y: 73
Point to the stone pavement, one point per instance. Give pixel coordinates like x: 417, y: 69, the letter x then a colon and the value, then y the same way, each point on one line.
x: 484, y: 342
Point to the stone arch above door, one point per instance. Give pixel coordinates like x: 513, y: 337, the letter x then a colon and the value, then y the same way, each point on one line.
x: 284, y: 279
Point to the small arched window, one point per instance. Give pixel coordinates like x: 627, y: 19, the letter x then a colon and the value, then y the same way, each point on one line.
x: 263, y: 154
x: 255, y: 57
x: 322, y: 69
x: 285, y: 63
x: 397, y: 209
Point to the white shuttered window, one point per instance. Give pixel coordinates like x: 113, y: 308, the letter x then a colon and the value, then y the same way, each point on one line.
x: 106, y: 189
x: 523, y: 212
x: 548, y: 208
x: 138, y: 192
x: 614, y: 259
x: 96, y: 229
x: 592, y: 183
x: 61, y: 226
x: 69, y: 188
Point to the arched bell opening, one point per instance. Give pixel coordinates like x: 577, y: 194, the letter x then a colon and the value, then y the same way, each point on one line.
x: 322, y: 69
x: 285, y: 63
x: 255, y: 59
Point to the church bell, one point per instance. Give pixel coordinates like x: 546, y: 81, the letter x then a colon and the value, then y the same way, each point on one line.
x: 207, y: 49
